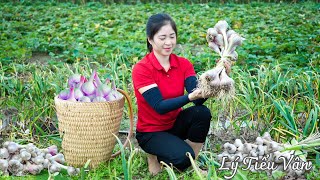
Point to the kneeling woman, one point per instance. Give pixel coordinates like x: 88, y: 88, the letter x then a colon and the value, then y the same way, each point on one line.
x: 164, y: 130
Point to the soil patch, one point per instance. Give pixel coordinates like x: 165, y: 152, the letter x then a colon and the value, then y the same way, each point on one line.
x: 40, y: 58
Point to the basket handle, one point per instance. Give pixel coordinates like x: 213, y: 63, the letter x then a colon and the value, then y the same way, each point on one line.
x: 131, y: 121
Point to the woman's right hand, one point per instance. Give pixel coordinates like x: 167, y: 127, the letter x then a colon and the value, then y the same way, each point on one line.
x: 196, y: 94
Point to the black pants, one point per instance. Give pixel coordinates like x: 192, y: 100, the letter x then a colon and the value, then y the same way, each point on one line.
x: 169, y: 146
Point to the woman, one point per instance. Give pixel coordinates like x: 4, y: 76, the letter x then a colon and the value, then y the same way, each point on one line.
x: 164, y: 130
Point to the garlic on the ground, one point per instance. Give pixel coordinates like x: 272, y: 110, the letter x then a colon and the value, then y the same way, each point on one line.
x: 30, y: 147
x: 6, y: 144
x: 238, y: 143
x: 232, y: 157
x: 38, y: 160
x: 240, y: 156
x: 225, y: 146
x: 17, y: 157
x: 223, y: 154
x: 266, y: 136
x: 253, y: 153
x: 48, y: 156
x: 3, y: 165
x: 46, y: 163
x: 4, y: 154
x: 58, y: 158
x: 71, y: 170
x: 260, y: 150
x: 12, y: 147
x: 273, y: 146
x: 15, y: 166
x: 277, y: 157
x: 266, y: 149
x: 259, y: 141
x: 25, y: 156
x: 53, y: 168
x: 240, y: 148
x: 33, y: 154
x: 291, y: 173
x: 254, y: 146
x: 33, y: 168
x: 219, y: 157
x: 299, y: 172
x: 247, y: 147
x: 230, y: 148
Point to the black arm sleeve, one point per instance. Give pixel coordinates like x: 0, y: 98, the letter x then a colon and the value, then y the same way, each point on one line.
x: 190, y: 84
x: 161, y: 106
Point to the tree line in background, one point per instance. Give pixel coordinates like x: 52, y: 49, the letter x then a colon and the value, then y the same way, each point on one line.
x: 157, y: 1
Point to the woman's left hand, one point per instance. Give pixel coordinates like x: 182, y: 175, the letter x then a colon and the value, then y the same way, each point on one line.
x: 196, y: 94
x: 227, y: 65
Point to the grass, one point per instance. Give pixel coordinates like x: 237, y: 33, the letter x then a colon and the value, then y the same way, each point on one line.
x: 277, y: 76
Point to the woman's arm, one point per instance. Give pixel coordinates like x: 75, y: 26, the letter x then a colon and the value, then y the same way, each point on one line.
x: 190, y: 84
x: 152, y: 95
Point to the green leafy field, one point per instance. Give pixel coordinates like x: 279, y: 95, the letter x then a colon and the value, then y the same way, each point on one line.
x: 287, y: 33
x: 277, y: 75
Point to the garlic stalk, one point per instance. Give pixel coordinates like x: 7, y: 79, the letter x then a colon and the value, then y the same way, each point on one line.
x: 53, y: 150
x: 229, y: 32
x: 211, y: 34
x: 58, y: 158
x: 235, y: 40
x: 214, y: 47
x: 53, y: 168
x: 71, y: 170
x: 219, y: 41
x: 222, y: 27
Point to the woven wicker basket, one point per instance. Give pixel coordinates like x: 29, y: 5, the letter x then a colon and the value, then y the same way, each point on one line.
x: 87, y: 129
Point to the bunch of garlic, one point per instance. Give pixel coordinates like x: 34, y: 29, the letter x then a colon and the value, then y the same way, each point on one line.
x: 20, y: 160
x: 264, y: 149
x: 216, y: 82
x: 224, y: 41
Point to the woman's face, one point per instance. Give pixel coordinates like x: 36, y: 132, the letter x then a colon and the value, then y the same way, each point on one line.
x: 164, y: 41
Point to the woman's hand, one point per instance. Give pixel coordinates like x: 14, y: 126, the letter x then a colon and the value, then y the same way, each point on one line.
x: 196, y: 94
x: 227, y: 65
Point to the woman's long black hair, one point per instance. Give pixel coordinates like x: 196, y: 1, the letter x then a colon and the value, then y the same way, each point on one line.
x: 154, y: 24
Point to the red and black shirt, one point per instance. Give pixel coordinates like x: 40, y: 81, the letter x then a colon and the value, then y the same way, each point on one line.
x: 171, y: 84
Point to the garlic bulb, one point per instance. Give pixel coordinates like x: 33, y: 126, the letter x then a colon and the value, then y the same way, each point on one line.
x: 222, y: 27
x: 4, y: 154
